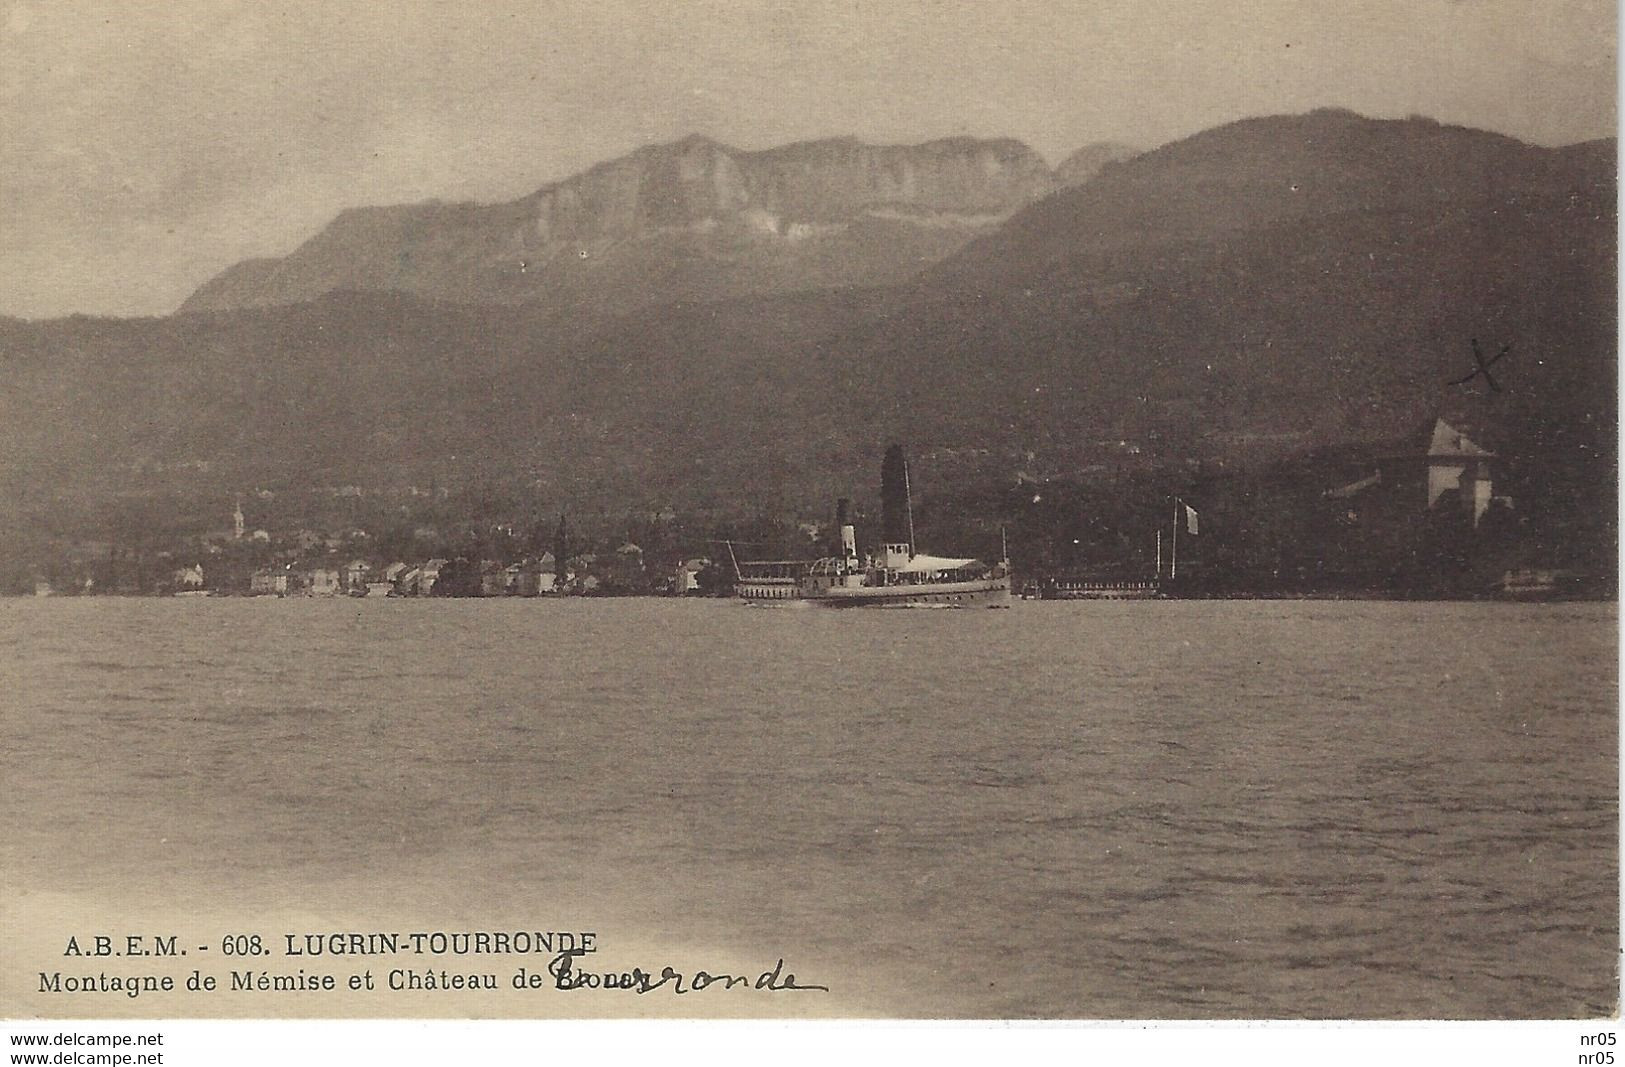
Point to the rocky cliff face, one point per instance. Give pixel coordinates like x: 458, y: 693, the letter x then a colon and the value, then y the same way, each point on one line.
x: 694, y: 219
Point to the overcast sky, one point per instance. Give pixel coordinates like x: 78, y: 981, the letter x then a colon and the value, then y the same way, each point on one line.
x: 147, y: 144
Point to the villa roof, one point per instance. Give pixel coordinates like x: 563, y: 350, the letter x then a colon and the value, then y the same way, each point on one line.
x: 1448, y: 442
x: 1439, y: 439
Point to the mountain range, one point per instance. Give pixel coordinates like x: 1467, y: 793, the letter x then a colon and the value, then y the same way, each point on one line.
x: 692, y: 323
x: 691, y: 220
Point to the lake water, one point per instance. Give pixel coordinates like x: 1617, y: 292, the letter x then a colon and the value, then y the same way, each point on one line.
x: 1120, y: 810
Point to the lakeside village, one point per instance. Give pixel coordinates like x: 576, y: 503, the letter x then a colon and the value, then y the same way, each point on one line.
x: 1425, y: 519
x: 245, y: 560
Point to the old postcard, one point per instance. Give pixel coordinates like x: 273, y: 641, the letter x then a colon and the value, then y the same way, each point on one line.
x: 453, y: 459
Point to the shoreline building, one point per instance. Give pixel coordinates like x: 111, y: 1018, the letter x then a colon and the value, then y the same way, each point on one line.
x: 1444, y: 464
x: 1456, y: 462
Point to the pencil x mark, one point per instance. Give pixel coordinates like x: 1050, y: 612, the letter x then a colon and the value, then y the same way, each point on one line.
x: 1484, y: 366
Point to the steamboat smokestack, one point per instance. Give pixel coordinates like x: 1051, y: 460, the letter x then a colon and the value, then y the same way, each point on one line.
x: 897, y: 514
x: 849, y: 536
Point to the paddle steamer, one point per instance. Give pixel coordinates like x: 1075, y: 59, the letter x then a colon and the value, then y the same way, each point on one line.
x: 896, y: 577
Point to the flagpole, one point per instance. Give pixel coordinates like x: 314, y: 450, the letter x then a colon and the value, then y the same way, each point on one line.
x: 1159, y: 553
x: 1173, y: 569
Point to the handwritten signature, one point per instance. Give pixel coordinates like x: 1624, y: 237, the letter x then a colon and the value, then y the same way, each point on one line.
x: 566, y: 976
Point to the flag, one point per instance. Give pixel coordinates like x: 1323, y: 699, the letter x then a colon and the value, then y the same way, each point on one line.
x: 1190, y: 519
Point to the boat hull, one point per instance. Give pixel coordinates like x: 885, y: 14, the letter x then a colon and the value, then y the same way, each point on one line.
x: 769, y: 591
x: 984, y: 593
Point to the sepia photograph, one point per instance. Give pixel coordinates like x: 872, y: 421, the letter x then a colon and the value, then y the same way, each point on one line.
x: 454, y: 459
